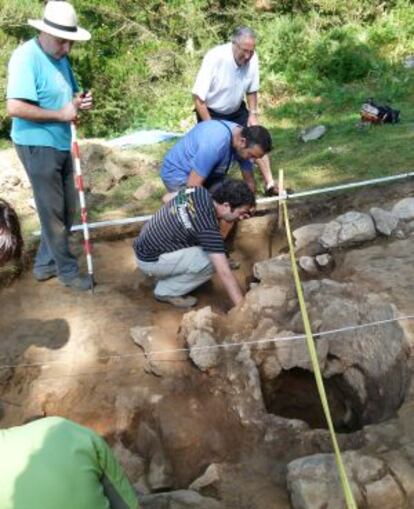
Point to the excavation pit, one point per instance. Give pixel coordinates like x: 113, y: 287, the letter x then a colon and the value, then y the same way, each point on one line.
x: 72, y: 355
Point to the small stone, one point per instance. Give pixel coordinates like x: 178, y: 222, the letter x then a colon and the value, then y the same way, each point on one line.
x: 307, y: 263
x: 143, y: 337
x: 270, y: 368
x: 210, y: 476
x: 312, y: 133
x: 325, y: 260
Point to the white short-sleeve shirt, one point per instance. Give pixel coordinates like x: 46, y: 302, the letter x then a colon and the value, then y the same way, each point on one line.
x: 221, y: 83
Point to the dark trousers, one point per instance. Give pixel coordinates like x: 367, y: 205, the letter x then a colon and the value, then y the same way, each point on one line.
x: 239, y: 116
x: 51, y: 174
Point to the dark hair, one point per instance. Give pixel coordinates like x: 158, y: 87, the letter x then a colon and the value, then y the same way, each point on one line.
x: 241, y: 32
x: 257, y: 135
x: 11, y: 241
x: 235, y: 192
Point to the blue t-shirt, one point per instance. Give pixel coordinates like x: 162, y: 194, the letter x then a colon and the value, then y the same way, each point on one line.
x: 49, y: 83
x: 206, y: 149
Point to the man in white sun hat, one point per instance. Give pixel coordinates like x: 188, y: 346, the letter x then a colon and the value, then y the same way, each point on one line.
x: 43, y: 99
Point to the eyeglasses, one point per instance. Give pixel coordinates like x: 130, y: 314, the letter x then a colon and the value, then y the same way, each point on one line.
x: 245, y: 51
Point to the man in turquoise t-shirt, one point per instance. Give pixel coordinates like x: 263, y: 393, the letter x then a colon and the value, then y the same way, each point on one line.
x: 43, y: 99
x: 53, y: 463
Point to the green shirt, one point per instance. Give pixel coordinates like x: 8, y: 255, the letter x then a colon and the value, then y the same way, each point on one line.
x: 54, y: 463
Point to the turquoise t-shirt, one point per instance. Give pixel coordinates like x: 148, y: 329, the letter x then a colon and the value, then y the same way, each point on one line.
x: 54, y: 463
x: 49, y: 83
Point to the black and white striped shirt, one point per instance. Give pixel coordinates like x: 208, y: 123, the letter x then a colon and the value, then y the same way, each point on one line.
x: 187, y: 220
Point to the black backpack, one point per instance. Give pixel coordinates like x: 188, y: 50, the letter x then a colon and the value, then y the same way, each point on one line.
x: 377, y: 114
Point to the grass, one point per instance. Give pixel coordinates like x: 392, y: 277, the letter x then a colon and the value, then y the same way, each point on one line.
x: 346, y: 152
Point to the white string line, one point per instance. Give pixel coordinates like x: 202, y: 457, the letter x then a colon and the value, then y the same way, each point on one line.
x: 340, y: 187
x: 219, y: 346
x: 271, y: 199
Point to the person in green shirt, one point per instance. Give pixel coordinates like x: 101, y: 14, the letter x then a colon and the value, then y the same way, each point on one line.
x: 54, y: 463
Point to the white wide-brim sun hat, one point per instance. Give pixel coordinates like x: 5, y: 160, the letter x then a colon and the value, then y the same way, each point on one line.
x: 60, y: 20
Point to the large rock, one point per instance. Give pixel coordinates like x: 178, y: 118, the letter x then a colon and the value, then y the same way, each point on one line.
x: 313, y: 482
x: 386, y: 267
x: 277, y: 270
x: 365, y: 368
x: 133, y: 465
x: 404, y: 209
x: 308, y: 234
x: 385, y: 222
x: 293, y: 353
x: 200, y: 319
x: 372, y: 361
x: 159, y: 354
x: 243, y: 375
x: 160, y: 472
x: 266, y: 300
x: 204, y: 350
x: 348, y: 229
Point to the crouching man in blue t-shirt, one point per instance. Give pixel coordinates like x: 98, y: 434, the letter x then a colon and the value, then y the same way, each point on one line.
x: 204, y: 155
x: 43, y: 99
x: 181, y: 245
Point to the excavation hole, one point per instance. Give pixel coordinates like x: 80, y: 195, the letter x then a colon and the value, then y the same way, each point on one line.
x: 293, y: 394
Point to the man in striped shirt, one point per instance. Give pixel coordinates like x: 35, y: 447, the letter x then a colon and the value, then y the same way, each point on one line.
x: 181, y: 245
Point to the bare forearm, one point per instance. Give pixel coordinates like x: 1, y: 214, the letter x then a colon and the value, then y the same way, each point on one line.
x: 22, y: 109
x: 252, y: 101
x: 265, y: 170
x: 252, y: 107
x: 28, y: 111
x: 249, y: 179
x: 201, y: 108
x: 226, y: 276
x: 232, y: 286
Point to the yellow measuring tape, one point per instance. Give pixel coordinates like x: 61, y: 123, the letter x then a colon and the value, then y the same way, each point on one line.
x: 349, y: 498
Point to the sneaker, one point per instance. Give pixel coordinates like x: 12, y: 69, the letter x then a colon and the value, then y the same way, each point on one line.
x: 178, y: 302
x: 80, y: 283
x: 44, y: 276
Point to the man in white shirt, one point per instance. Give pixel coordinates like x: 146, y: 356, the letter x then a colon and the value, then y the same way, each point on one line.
x: 228, y: 74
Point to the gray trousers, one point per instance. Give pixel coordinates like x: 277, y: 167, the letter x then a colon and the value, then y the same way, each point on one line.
x: 179, y: 272
x: 51, y: 174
